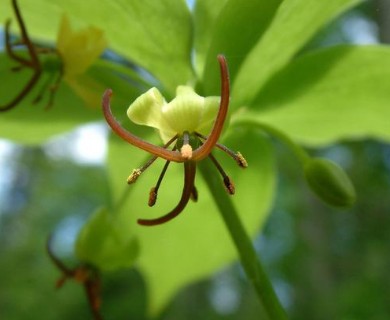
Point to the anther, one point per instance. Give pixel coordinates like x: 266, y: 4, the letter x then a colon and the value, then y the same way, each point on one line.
x: 226, y: 180
x: 241, y: 160
x: 153, y: 192
x: 134, y: 176
x: 152, y: 197
x: 137, y: 172
x: 229, y: 185
x: 237, y: 156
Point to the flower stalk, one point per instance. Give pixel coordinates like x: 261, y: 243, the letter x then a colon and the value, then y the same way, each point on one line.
x: 248, y: 256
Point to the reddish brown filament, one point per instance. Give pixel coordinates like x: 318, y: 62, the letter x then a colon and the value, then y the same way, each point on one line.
x: 226, y: 180
x: 189, y: 179
x: 33, y: 63
x: 133, y: 139
x: 154, y: 191
x: 203, y: 151
x: 83, y: 274
x: 235, y: 155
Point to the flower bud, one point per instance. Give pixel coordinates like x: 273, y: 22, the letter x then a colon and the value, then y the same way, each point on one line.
x: 329, y: 182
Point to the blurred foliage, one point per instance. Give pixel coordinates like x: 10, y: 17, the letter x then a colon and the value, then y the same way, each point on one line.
x: 325, y: 264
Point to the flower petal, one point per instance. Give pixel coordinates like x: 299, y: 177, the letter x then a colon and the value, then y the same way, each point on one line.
x: 185, y: 112
x: 147, y: 110
x: 210, y: 110
x: 79, y: 49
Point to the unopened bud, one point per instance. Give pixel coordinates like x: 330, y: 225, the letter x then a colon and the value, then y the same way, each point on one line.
x: 330, y: 182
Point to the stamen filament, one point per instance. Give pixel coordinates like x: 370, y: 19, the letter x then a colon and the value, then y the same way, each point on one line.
x: 189, y: 178
x: 194, y: 194
x: 237, y: 156
x: 92, y: 289
x: 59, y: 264
x: 137, y: 172
x: 133, y: 139
x: 25, y: 38
x: 154, y: 190
x: 203, y: 151
x: 33, y: 63
x: 9, y: 45
x: 226, y: 180
x: 83, y: 275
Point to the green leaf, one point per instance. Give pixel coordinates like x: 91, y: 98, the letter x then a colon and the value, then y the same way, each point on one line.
x: 195, y: 244
x: 332, y: 94
x: 32, y: 123
x: 205, y: 15
x: 237, y: 29
x: 155, y: 35
x: 102, y: 245
x: 294, y: 24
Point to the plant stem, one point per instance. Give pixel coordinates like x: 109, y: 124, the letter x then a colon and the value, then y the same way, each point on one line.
x: 248, y: 256
x: 299, y: 152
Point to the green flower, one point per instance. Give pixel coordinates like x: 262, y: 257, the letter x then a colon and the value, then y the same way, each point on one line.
x: 74, y: 54
x: 187, y: 112
x: 183, y: 122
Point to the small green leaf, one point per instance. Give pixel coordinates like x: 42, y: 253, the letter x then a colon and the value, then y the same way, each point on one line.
x: 332, y: 94
x: 295, y: 22
x: 102, y: 245
x: 196, y: 243
x: 329, y: 182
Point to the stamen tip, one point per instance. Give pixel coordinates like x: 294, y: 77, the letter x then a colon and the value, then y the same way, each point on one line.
x: 186, y: 151
x: 229, y: 185
x: 241, y: 160
x: 152, y: 197
x: 134, y: 176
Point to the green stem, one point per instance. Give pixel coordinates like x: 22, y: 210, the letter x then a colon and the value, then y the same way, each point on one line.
x: 248, y: 256
x: 299, y: 152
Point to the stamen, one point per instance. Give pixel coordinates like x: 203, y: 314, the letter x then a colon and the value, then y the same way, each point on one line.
x: 237, y: 156
x: 152, y: 197
x: 189, y: 178
x: 25, y: 37
x: 33, y: 63
x: 58, y: 263
x: 133, y: 139
x: 93, y: 289
x: 89, y: 278
x: 226, y: 180
x: 229, y: 185
x: 53, y: 88
x: 154, y: 190
x: 203, y: 151
x: 137, y: 172
x: 194, y: 194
